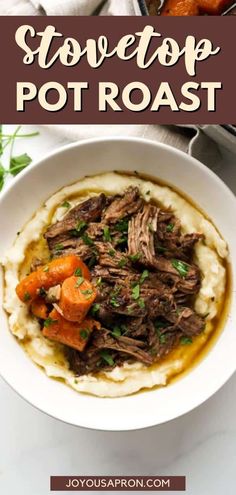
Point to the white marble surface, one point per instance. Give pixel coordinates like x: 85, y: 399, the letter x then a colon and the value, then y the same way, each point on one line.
x: 200, y: 445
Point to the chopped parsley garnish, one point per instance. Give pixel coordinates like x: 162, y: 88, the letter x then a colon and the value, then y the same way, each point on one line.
x: 66, y: 204
x: 144, y: 275
x: 79, y: 229
x: 84, y: 333
x: 122, y: 225
x: 87, y: 240
x: 80, y: 226
x: 122, y: 240
x: 87, y: 293
x: 141, y: 303
x: 79, y: 282
x: 116, y: 332
x: 186, y: 340
x: 99, y: 281
x: 114, y: 302
x: 106, y: 234
x: 106, y: 356
x: 78, y: 272
x: 134, y: 257
x: 170, y: 227
x: 160, y: 325
x: 27, y: 296
x: 42, y: 292
x: 111, y: 252
x: 122, y: 263
x: 181, y: 267
x: 59, y: 247
x: 45, y: 269
x: 95, y: 308
x: 49, y: 321
x: 136, y: 292
x: 162, y: 338
x: 16, y: 163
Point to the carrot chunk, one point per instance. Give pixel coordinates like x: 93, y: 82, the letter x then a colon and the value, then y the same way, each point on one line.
x: 50, y: 275
x: 75, y: 335
x: 180, y: 8
x: 213, y: 7
x: 194, y: 7
x: 39, y: 308
x: 77, y: 296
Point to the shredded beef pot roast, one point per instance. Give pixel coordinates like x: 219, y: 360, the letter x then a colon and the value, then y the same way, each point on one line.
x: 142, y: 266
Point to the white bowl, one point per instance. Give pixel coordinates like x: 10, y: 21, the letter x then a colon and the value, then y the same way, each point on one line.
x: 18, y: 203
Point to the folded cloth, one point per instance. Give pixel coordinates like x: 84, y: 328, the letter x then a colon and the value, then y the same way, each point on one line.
x: 66, y: 7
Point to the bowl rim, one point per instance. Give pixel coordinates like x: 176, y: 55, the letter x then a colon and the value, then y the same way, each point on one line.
x: 179, y: 154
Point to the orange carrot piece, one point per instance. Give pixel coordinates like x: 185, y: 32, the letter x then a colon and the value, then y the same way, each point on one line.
x: 39, y: 308
x: 180, y: 8
x: 213, y: 7
x: 77, y: 296
x: 69, y: 333
x: 49, y: 275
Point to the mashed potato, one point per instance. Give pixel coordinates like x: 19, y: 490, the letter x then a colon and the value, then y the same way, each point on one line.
x: 128, y: 378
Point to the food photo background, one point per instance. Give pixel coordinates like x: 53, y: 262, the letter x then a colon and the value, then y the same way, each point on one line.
x: 35, y: 446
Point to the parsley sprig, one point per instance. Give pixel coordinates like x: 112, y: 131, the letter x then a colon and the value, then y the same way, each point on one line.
x: 16, y: 163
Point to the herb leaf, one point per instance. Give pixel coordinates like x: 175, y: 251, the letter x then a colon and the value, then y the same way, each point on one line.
x: 87, y: 240
x: 181, y: 267
x: 66, y: 204
x: 59, y: 247
x: 84, y: 333
x: 162, y: 338
x: 114, y: 302
x: 49, y: 321
x: 80, y: 226
x: 186, y: 340
x: 134, y: 257
x: 106, y: 234
x: 79, y: 282
x: 116, y: 332
x: 87, y: 293
x: 78, y: 272
x: 122, y: 263
x: 27, y: 296
x: 95, y: 308
x: 141, y: 303
x: 136, y: 292
x: 170, y: 227
x: 106, y: 356
x: 122, y: 225
x: 18, y: 163
x: 2, y: 176
x: 144, y: 275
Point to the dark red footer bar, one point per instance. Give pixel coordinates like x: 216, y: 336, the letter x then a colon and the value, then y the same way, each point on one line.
x: 118, y: 483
